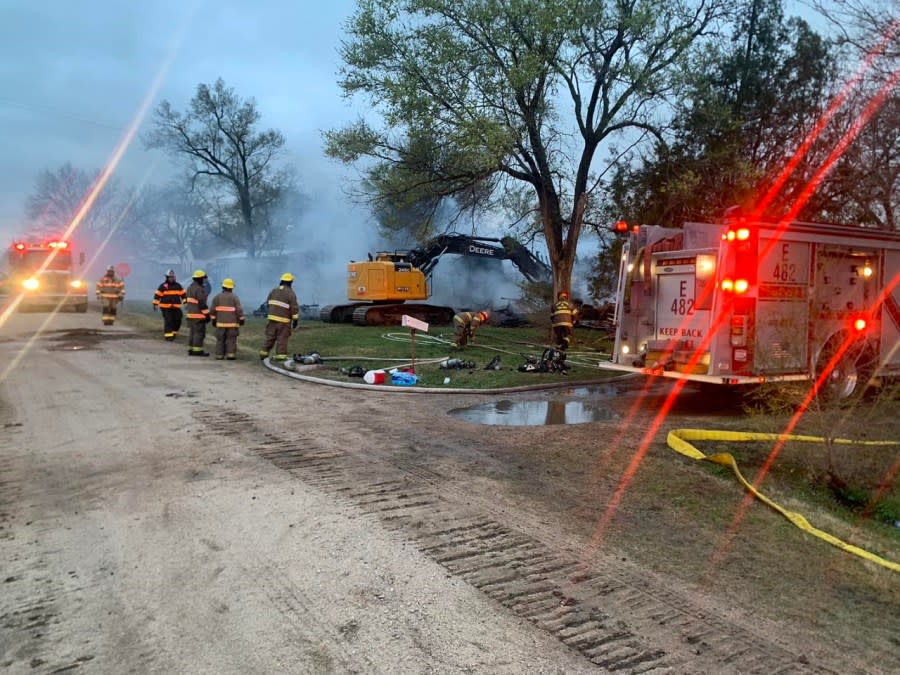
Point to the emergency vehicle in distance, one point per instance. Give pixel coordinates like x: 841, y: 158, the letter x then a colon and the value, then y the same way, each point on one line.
x: 44, y: 273
x: 751, y: 301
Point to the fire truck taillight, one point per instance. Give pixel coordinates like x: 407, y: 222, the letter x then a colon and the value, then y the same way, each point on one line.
x: 727, y: 285
x: 741, y: 285
x: 19, y: 246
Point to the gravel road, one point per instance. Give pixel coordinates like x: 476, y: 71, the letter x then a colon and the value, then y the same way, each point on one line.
x: 160, y: 513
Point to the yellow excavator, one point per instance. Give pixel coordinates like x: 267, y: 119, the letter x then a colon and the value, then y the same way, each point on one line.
x: 387, y: 285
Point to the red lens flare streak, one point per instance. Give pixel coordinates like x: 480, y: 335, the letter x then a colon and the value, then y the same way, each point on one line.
x: 722, y: 550
x: 626, y: 426
x: 870, y: 109
x: 638, y: 457
x: 91, y: 197
x: 823, y: 121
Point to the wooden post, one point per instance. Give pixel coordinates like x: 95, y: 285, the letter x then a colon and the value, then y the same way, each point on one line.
x: 413, y: 324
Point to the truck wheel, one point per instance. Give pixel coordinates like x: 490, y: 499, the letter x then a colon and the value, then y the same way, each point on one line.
x: 850, y: 374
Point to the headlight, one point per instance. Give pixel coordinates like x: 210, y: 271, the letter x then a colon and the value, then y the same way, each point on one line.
x: 76, y: 283
x: 30, y: 284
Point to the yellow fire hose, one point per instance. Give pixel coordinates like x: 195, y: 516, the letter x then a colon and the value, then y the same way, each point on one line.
x: 678, y: 440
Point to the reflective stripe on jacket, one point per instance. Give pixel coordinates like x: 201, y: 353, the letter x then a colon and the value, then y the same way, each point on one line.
x: 169, y: 295
x: 282, y: 305
x: 563, y: 314
x: 226, y: 311
x: 111, y: 288
x: 195, y: 299
x: 467, y: 320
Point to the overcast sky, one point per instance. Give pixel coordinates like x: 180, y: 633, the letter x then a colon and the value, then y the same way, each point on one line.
x: 74, y: 75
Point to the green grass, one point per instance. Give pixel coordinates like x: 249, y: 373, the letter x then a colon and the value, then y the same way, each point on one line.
x: 345, y: 345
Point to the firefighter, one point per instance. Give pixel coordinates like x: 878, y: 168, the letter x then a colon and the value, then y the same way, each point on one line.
x: 562, y: 320
x: 197, y: 314
x: 464, y: 326
x: 110, y: 292
x: 227, y: 315
x: 284, y: 315
x: 168, y: 299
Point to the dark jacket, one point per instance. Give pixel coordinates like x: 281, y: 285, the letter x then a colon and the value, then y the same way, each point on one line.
x: 169, y: 295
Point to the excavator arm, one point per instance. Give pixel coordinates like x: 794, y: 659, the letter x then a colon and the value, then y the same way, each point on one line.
x: 531, y: 267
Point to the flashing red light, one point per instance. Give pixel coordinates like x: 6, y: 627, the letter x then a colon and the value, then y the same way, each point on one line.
x: 729, y: 285
x: 860, y: 324
x: 621, y: 227
x: 19, y: 246
x: 740, y: 234
x: 59, y: 244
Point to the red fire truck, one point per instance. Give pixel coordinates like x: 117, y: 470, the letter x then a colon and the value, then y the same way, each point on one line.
x: 748, y: 301
x: 43, y: 275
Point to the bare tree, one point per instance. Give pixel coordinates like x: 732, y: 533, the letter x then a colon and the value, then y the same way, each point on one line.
x: 171, y: 222
x: 232, y: 165
x: 59, y: 195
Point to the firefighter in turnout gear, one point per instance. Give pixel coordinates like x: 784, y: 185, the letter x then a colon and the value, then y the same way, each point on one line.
x: 464, y: 326
x: 227, y: 315
x: 284, y: 314
x: 110, y: 292
x: 169, y: 298
x: 562, y: 321
x: 197, y: 314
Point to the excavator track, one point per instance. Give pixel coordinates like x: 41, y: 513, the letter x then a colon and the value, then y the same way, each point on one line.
x: 390, y: 315
x: 339, y: 313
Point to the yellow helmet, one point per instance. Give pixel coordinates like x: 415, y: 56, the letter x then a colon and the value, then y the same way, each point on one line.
x: 198, y: 274
x: 228, y: 283
x: 287, y: 276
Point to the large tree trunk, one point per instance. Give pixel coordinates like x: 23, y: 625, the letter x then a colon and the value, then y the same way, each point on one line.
x: 562, y: 242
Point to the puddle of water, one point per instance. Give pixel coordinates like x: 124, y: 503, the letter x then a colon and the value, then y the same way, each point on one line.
x: 534, y: 413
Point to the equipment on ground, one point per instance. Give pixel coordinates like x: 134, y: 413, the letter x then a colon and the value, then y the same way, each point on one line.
x: 551, y: 361
x: 456, y: 364
x: 380, y: 289
x: 43, y: 275
x: 750, y: 301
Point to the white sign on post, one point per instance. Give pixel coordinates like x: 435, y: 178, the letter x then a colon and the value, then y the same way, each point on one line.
x: 411, y: 322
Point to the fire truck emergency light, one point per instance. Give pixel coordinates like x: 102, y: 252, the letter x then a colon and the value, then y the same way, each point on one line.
x: 621, y: 227
x: 860, y: 324
x: 729, y: 285
x: 19, y: 246
x: 59, y: 244
x: 30, y: 284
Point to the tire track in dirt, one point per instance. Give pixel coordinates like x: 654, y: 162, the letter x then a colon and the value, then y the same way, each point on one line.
x: 620, y: 621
